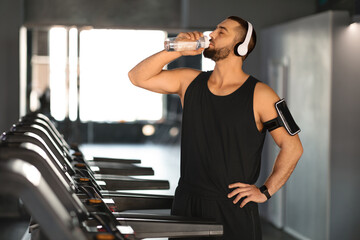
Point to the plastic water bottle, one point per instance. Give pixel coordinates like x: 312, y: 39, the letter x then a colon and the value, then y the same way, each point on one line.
x: 183, y: 44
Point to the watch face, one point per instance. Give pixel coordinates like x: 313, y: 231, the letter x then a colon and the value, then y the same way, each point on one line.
x: 264, y: 190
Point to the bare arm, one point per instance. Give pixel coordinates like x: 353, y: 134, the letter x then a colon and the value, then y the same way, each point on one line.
x: 149, y: 73
x: 285, y: 163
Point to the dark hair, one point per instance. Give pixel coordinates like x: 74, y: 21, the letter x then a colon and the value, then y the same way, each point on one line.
x: 242, y: 33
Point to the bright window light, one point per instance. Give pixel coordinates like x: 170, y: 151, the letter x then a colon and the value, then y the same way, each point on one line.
x: 73, y: 73
x: 106, y: 93
x: 58, y: 62
x: 206, y: 63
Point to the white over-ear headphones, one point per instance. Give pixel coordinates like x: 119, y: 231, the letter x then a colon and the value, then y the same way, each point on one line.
x: 241, y: 49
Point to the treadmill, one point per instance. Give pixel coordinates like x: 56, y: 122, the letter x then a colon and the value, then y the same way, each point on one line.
x: 145, y: 225
x: 35, y: 116
x: 115, y: 168
x: 104, y: 185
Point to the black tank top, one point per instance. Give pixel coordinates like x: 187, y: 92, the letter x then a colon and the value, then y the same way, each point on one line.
x: 220, y: 142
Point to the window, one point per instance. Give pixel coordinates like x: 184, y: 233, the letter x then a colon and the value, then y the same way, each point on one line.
x: 105, y: 58
x: 206, y: 63
x: 58, y: 67
x: 106, y: 93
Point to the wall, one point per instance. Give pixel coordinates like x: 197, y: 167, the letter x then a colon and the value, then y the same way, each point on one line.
x: 104, y: 14
x: 345, y: 151
x: 10, y: 22
x: 321, y: 54
x: 306, y: 44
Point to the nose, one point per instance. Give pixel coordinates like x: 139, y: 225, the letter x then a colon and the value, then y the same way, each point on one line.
x: 211, y: 35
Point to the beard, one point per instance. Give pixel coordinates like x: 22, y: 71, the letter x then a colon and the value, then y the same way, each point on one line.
x: 217, y: 54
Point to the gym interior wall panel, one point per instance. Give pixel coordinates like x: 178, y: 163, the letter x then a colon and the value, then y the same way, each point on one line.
x: 323, y: 55
x: 104, y: 13
x: 10, y: 21
x: 309, y: 91
x: 345, y: 151
x: 306, y: 46
x: 344, y: 5
x: 261, y: 13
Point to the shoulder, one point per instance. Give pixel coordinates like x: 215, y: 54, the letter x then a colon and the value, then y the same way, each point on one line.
x: 264, y: 93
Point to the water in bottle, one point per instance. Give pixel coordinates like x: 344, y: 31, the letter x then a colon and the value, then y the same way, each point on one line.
x: 183, y: 44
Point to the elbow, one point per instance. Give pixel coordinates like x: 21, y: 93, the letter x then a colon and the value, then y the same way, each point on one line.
x: 298, y: 150
x: 132, y: 77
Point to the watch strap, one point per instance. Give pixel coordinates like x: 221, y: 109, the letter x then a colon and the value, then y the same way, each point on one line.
x: 263, y: 189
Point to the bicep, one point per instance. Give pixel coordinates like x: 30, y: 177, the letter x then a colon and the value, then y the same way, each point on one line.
x: 265, y: 100
x: 169, y: 81
x: 283, y: 139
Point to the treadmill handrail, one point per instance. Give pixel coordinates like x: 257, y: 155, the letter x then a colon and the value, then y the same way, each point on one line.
x: 23, y: 180
x: 35, y: 156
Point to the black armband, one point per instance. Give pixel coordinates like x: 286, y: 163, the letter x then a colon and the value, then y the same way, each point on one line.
x: 284, y: 119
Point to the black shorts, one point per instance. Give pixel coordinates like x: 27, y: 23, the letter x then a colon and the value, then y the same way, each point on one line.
x: 239, y: 223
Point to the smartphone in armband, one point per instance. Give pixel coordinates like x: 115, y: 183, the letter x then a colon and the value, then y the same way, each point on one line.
x: 284, y: 119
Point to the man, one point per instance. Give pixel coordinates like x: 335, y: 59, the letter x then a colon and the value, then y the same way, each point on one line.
x: 225, y: 115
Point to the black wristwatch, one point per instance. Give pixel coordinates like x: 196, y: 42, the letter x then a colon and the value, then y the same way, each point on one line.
x: 263, y: 189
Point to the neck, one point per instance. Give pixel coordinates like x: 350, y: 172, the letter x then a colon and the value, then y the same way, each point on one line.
x: 229, y: 70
